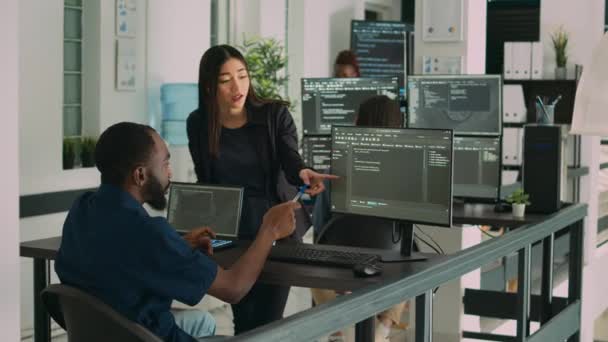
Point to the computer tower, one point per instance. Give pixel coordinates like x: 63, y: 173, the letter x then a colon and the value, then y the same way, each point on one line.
x: 544, y: 166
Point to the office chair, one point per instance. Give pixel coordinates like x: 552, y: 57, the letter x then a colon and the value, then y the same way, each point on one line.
x: 86, y: 318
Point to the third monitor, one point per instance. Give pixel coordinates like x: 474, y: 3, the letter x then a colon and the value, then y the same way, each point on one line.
x: 335, y: 101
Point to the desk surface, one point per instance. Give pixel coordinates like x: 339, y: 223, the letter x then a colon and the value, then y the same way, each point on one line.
x: 484, y: 214
x: 274, y: 272
x: 327, y: 277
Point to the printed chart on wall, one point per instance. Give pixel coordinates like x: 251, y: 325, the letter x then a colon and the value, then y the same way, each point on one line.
x: 126, y: 66
x: 126, y: 18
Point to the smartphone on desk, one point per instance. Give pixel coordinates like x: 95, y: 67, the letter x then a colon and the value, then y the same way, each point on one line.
x: 218, y: 244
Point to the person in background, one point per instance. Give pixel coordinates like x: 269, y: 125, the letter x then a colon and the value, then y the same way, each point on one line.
x: 236, y: 138
x: 377, y: 111
x: 346, y: 65
x: 137, y: 264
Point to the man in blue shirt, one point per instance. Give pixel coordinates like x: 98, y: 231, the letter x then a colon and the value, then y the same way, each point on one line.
x: 137, y: 264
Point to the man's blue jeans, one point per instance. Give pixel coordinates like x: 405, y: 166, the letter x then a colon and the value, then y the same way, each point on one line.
x: 195, y: 323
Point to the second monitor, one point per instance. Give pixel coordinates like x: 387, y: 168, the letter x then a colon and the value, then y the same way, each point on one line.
x: 468, y: 104
x: 335, y: 101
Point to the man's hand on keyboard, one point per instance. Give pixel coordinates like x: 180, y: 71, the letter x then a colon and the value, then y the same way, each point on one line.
x: 200, y: 238
x: 281, y: 219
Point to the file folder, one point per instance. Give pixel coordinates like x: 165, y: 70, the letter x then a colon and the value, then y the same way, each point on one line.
x: 522, y: 57
x: 508, y: 61
x: 513, y: 104
x: 537, y: 60
x: 512, y: 140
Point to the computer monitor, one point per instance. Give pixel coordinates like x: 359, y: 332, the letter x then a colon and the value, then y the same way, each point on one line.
x: 477, y: 168
x: 399, y: 174
x: 194, y: 205
x: 468, y: 104
x: 381, y: 48
x: 316, y: 152
x: 335, y: 101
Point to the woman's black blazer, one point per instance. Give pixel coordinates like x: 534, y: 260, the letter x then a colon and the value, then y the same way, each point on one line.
x: 276, y: 143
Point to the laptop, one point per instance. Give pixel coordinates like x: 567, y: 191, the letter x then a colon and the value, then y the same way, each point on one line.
x: 193, y: 205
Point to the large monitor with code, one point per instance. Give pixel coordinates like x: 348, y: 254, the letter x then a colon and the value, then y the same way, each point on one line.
x: 477, y: 168
x: 381, y: 48
x: 194, y: 205
x: 468, y: 104
x: 335, y: 101
x: 399, y: 174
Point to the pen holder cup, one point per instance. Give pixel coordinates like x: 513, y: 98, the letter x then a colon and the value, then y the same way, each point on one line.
x: 545, y: 118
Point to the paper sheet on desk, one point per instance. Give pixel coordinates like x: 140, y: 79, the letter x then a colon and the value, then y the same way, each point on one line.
x: 591, y: 106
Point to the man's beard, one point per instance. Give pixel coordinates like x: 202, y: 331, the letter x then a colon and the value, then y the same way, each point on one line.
x: 155, y: 194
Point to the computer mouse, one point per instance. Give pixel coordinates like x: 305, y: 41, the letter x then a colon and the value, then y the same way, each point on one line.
x: 367, y: 270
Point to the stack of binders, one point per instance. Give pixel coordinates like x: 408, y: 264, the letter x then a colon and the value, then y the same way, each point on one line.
x: 523, y: 60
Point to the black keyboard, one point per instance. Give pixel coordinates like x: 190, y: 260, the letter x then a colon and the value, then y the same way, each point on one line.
x: 317, y: 256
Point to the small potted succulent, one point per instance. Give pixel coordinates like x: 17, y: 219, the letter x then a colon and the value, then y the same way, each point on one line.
x: 519, y: 200
x: 69, y: 153
x: 87, y: 152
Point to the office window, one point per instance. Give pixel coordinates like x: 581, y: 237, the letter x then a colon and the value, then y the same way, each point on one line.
x: 72, y: 68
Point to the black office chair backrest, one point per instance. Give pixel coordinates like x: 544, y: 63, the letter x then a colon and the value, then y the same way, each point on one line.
x: 86, y: 318
x: 359, y: 231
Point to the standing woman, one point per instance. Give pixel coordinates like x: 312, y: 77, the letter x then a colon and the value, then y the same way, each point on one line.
x: 236, y: 138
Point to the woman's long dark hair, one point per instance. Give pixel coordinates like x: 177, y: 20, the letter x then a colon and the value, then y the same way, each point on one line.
x: 208, y: 77
x: 380, y: 111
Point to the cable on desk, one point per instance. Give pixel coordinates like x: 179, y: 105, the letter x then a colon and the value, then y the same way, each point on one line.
x: 427, y: 243
x: 430, y: 237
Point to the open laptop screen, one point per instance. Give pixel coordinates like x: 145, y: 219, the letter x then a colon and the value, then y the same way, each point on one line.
x: 195, y: 205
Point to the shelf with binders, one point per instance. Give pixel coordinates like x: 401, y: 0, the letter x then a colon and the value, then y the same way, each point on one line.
x: 551, y: 89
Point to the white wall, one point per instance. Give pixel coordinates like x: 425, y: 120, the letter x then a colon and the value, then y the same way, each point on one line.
x: 318, y: 30
x: 584, y: 20
x: 9, y: 214
x: 40, y: 106
x: 472, y: 48
x: 177, y: 38
x: 41, y: 92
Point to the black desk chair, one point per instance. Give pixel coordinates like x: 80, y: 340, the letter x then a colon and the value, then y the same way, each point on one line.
x: 86, y: 318
x: 360, y: 231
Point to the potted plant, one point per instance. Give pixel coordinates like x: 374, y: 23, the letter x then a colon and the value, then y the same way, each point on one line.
x: 518, y: 200
x: 560, y: 44
x: 267, y: 67
x: 69, y: 153
x: 87, y: 151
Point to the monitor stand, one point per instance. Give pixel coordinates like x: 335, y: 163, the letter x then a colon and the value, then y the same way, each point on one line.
x: 406, y: 253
